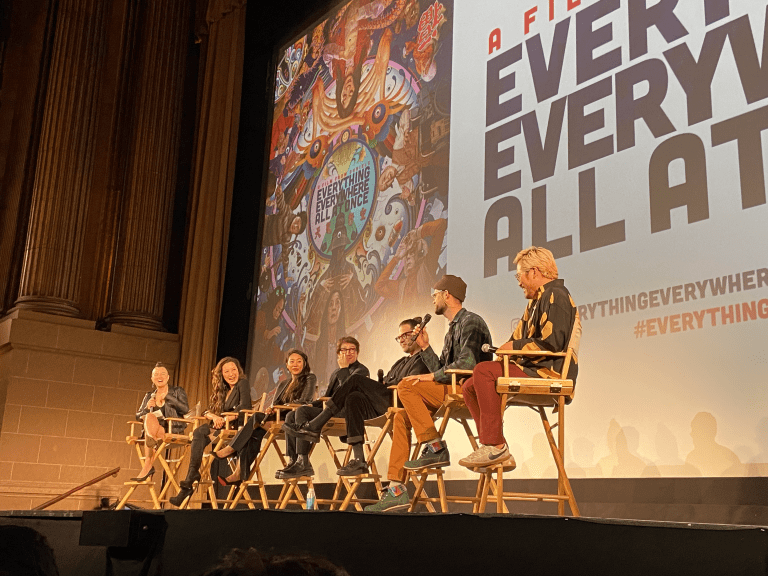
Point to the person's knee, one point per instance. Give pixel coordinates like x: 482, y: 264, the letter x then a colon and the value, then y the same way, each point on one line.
x: 486, y: 370
x: 199, y: 433
x: 355, y: 399
x: 405, y: 388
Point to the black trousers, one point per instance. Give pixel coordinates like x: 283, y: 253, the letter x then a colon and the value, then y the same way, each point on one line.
x: 293, y: 445
x: 200, y: 439
x: 247, y: 442
x: 359, y: 399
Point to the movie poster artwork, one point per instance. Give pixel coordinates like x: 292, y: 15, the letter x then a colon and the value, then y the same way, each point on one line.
x: 356, y: 216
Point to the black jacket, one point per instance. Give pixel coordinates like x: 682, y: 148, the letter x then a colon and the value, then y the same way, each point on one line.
x: 239, y: 399
x: 341, y: 375
x: 176, y: 405
x: 307, y: 390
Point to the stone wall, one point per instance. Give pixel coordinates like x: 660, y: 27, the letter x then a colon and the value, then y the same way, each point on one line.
x: 66, y: 393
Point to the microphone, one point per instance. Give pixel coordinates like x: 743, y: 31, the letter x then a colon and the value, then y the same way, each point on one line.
x: 488, y: 348
x: 427, y: 318
x: 381, y: 376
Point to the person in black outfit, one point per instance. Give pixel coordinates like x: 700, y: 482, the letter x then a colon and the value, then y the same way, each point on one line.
x: 231, y: 393
x: 297, y: 448
x: 299, y: 389
x: 165, y: 401
x: 360, y: 399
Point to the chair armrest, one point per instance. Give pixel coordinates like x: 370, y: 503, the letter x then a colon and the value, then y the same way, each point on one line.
x: 283, y: 408
x: 134, y: 435
x: 186, y: 421
x: 455, y: 373
x: 394, y: 394
x: 227, y: 422
x: 506, y: 355
x: 529, y: 353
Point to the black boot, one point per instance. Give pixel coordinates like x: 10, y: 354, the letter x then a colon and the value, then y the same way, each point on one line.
x: 186, y: 487
x: 302, y: 467
x: 280, y: 473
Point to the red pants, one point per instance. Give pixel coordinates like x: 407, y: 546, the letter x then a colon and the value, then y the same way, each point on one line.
x: 484, y: 402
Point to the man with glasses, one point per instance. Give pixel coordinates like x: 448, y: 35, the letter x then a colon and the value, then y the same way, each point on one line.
x: 422, y: 395
x: 547, y: 324
x: 358, y: 398
x: 347, y: 349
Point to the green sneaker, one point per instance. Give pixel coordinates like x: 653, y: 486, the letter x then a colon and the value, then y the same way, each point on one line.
x: 393, y: 498
x: 434, y: 455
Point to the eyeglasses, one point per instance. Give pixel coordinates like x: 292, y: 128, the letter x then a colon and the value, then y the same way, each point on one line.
x: 517, y: 276
x: 347, y: 350
x: 404, y: 336
x: 436, y: 292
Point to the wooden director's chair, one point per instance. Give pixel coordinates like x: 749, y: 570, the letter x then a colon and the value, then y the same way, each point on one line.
x: 269, y: 442
x: 453, y: 408
x: 336, y: 428
x: 350, y: 484
x: 169, y: 453
x: 205, y: 484
x: 291, y: 494
x: 538, y: 394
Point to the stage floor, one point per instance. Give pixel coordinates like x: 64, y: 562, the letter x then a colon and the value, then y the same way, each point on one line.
x: 189, y: 541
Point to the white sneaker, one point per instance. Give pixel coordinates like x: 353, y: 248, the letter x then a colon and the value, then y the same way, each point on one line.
x: 486, y: 456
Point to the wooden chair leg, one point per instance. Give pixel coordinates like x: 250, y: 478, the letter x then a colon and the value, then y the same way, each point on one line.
x: 499, y: 489
x: 562, y: 476
x: 487, y: 481
x: 478, y: 494
x: 417, y: 492
x: 441, y: 491
x: 124, y: 499
x: 286, y: 494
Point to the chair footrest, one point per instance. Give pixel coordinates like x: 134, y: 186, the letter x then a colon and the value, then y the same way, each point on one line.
x: 366, y: 476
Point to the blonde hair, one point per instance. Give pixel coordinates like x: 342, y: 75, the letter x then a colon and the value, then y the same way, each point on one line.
x: 541, y: 258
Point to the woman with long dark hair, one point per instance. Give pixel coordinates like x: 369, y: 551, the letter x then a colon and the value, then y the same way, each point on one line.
x: 164, y: 401
x: 298, y: 389
x: 231, y: 393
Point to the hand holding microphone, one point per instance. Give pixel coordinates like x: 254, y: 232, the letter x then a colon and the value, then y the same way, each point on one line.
x: 420, y: 327
x: 488, y: 348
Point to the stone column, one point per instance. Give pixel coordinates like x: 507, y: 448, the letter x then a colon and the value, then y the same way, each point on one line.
x: 138, y: 288
x: 50, y: 280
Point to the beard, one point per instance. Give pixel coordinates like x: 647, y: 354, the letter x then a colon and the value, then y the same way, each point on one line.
x: 441, y: 307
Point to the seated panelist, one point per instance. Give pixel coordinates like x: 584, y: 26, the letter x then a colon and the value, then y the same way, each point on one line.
x: 361, y: 398
x: 299, y: 389
x: 231, y: 393
x: 547, y: 324
x: 165, y: 401
x: 297, y: 446
x: 423, y: 394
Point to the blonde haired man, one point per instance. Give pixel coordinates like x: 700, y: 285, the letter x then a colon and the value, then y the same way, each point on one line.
x: 546, y: 324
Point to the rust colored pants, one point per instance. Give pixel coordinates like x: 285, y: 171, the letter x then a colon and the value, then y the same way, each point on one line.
x: 420, y: 401
x: 484, y: 402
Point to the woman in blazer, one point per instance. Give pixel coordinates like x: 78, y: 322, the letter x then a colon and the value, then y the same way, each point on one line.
x: 231, y: 393
x: 165, y: 401
x: 298, y: 389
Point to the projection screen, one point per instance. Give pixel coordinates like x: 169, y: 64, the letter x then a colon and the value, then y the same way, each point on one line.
x: 414, y: 138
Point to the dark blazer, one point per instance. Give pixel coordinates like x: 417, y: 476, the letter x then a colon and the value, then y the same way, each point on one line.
x: 176, y: 405
x: 239, y: 399
x: 307, y: 390
x: 341, y: 375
